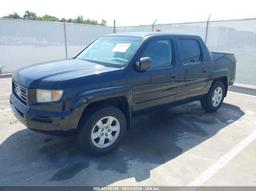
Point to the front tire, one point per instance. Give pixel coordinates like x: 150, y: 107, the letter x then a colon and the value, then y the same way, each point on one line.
x: 101, y: 130
x: 213, y: 100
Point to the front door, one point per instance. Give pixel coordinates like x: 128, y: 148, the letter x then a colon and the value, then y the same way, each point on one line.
x: 157, y: 85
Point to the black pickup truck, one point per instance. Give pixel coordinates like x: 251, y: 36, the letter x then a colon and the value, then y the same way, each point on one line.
x: 118, y: 76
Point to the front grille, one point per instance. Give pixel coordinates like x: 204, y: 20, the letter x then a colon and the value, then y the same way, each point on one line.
x: 20, y: 92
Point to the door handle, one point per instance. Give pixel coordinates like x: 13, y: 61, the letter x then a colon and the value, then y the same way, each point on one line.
x: 204, y: 70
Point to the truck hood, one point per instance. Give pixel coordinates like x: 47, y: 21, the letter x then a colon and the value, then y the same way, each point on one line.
x: 58, y: 71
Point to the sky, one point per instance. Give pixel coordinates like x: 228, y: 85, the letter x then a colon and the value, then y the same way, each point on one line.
x: 135, y: 12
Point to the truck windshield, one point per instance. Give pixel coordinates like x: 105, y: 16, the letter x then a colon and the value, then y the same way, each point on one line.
x: 111, y: 50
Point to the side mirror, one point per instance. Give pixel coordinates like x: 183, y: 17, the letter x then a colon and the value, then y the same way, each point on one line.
x: 143, y: 64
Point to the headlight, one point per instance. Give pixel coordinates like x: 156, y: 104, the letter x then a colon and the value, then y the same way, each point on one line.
x: 48, y: 95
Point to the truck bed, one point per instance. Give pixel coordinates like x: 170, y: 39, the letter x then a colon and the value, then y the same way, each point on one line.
x: 226, y: 60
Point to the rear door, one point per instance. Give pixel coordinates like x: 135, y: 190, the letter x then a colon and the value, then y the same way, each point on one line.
x: 194, y: 66
x: 156, y: 86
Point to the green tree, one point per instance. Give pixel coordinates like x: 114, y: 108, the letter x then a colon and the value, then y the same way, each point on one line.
x: 14, y: 15
x: 103, y: 22
x: 79, y: 19
x: 30, y: 15
x: 49, y: 18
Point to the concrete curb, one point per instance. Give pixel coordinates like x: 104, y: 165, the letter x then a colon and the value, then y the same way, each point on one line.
x: 243, y: 89
x: 8, y: 75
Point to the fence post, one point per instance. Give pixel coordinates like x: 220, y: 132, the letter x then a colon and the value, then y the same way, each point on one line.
x: 153, y: 25
x: 65, y: 40
x: 114, y: 26
x: 206, y: 29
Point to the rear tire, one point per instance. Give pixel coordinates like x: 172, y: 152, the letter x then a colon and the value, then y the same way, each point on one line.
x: 213, y: 100
x: 101, y: 130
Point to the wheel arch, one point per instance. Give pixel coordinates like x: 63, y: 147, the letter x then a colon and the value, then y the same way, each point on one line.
x: 224, y: 80
x: 120, y: 102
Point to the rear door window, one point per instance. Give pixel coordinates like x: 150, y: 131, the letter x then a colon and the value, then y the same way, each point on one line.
x: 190, y: 51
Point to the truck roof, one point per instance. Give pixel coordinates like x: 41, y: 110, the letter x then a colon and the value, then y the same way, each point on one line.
x: 151, y: 34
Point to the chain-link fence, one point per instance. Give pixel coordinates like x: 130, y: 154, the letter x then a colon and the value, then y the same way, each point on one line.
x: 234, y: 36
x: 27, y: 42
x: 238, y: 37
x: 195, y: 28
x: 23, y: 43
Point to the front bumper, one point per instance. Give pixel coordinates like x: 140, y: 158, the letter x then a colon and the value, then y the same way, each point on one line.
x: 45, y: 121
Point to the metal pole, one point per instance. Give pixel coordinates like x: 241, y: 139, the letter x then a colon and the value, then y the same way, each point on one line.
x: 65, y: 40
x: 206, y: 29
x: 153, y: 25
x: 114, y: 26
